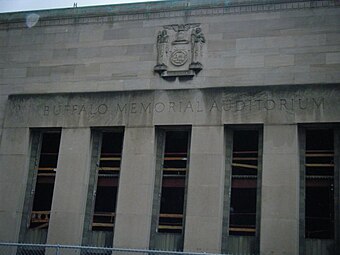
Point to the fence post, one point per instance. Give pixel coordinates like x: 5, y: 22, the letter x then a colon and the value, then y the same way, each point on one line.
x: 58, y: 249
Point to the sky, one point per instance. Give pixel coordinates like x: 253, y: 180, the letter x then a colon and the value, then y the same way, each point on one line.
x: 28, y: 5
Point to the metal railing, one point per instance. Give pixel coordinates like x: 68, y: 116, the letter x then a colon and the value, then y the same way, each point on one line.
x: 47, y: 249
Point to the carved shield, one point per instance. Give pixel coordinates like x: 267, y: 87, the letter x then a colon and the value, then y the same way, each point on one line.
x: 178, y: 50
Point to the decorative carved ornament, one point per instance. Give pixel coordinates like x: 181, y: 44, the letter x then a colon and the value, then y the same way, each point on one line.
x: 179, y: 50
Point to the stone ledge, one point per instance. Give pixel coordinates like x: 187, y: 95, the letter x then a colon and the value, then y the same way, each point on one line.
x: 156, y: 10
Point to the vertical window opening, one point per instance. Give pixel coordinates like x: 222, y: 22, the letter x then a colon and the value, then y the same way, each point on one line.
x: 244, y: 183
x: 174, y: 171
x: 47, y: 167
x: 107, y: 181
x: 319, y: 199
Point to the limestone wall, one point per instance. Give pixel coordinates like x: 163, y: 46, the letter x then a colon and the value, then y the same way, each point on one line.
x: 272, y: 62
x: 113, y: 48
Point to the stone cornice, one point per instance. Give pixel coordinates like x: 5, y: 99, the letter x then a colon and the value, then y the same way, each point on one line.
x: 156, y: 10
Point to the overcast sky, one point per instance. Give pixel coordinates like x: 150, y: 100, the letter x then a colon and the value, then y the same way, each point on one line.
x: 28, y: 5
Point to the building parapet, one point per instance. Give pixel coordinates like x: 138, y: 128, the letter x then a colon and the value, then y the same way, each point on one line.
x: 155, y: 10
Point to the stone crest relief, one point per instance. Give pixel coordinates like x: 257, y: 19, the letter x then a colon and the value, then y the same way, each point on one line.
x: 179, y: 50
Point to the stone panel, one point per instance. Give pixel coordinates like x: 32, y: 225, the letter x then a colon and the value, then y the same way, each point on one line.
x: 310, y: 59
x: 38, y: 71
x: 333, y: 58
x: 249, y: 34
x: 70, y: 188
x: 65, y: 53
x: 221, y: 45
x: 279, y: 60
x: 290, y: 104
x: 14, y: 72
x: 280, y: 191
x: 66, y: 228
x: 249, y: 61
x: 95, y: 35
x: 87, y: 69
x: 205, y: 236
x: 203, y: 224
x: 14, y: 157
x: 134, y: 202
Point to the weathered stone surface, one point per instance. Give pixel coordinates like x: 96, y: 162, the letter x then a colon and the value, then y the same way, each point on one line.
x: 14, y: 157
x: 133, y: 219
x: 280, y: 191
x: 94, y: 67
x: 333, y: 58
x: 250, y: 35
x: 295, y: 104
x: 70, y: 188
x: 206, y: 175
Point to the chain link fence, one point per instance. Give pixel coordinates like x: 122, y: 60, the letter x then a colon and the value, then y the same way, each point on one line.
x: 46, y: 249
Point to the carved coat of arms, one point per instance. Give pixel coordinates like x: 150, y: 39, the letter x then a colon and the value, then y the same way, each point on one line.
x: 179, y: 50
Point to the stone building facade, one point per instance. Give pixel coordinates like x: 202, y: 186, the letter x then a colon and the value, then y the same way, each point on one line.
x: 208, y: 126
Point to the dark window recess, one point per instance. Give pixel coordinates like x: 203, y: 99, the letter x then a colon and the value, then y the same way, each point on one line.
x: 43, y: 193
x: 244, y: 183
x: 319, y: 201
x: 107, y: 184
x: 173, y: 182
